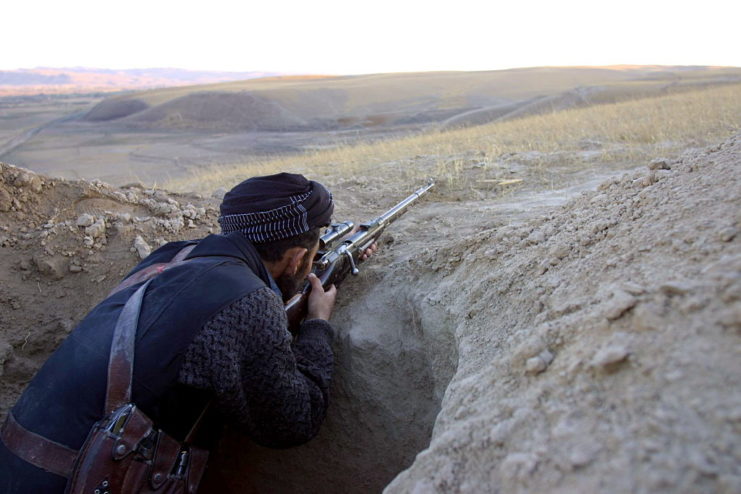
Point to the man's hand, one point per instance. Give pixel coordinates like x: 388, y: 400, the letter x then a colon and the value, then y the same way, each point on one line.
x: 321, y: 303
x: 369, y: 251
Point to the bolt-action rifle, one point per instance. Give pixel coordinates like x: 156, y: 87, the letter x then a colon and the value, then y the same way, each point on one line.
x: 339, y: 254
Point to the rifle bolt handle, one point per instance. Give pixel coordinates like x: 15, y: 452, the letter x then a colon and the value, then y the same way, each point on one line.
x: 355, y: 269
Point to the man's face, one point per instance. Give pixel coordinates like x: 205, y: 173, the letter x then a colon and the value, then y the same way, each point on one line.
x: 290, y: 284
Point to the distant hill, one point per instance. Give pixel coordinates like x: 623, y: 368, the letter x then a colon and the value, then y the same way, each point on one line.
x: 448, y: 99
x: 80, y: 79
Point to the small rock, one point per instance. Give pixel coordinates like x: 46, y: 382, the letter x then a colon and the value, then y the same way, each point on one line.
x: 539, y: 363
x: 30, y: 180
x: 610, y: 355
x: 659, y: 164
x: 88, y: 241
x: 75, y: 268
x: 501, y: 432
x: 219, y: 193
x: 97, y: 229
x: 142, y: 247
x: 52, y: 267
x: 648, y: 180
x: 583, y: 454
x: 728, y: 234
x: 85, y: 220
x: 531, y: 347
x: 535, y: 365
x: 620, y: 302
x: 676, y: 288
x: 189, y: 211
x: 163, y: 208
x: 547, y: 356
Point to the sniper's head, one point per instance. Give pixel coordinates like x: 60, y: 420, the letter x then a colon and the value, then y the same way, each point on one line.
x: 282, y: 215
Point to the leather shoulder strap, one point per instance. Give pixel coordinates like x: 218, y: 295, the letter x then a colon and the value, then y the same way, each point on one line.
x: 151, y: 271
x: 121, y: 361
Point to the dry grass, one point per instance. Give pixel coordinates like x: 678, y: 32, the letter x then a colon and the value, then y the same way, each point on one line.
x: 610, y: 135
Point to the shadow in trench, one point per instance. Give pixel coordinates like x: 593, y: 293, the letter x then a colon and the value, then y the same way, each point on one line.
x: 395, y: 354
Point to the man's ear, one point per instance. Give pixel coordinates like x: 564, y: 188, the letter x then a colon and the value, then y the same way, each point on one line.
x: 295, y: 256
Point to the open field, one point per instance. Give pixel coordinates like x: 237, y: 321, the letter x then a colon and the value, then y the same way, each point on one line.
x: 331, y: 103
x: 539, y: 151
x: 22, y: 117
x: 166, y: 135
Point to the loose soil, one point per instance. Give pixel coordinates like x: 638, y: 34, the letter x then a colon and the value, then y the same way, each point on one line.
x: 578, y: 340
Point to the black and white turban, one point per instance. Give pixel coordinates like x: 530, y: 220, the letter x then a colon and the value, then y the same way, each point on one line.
x: 275, y: 207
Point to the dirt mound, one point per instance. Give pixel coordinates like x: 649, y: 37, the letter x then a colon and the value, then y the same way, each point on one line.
x: 219, y: 111
x: 598, y: 344
x: 63, y: 246
x: 112, y: 109
x: 583, y: 347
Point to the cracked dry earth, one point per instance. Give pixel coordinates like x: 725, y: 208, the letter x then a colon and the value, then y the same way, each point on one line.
x: 587, y: 346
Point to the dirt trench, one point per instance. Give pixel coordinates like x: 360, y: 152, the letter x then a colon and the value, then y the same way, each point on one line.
x: 395, y: 354
x: 523, y: 345
x: 65, y: 244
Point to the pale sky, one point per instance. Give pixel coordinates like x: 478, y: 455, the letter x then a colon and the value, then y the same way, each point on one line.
x: 352, y: 37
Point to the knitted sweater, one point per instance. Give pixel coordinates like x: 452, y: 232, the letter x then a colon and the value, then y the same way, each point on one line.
x: 272, y: 387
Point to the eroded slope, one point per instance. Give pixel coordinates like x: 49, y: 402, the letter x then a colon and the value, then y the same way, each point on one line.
x: 598, y: 345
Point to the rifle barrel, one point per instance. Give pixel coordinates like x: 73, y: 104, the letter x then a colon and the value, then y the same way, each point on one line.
x: 396, y: 211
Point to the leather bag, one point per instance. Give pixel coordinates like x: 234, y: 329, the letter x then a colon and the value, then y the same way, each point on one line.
x: 124, y: 453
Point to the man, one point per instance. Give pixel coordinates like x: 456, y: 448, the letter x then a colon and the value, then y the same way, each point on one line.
x: 211, y: 335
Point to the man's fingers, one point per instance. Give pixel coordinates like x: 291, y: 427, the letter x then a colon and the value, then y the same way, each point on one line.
x: 316, y: 283
x: 369, y: 251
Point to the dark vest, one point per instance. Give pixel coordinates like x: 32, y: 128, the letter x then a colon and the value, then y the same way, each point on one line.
x: 66, y: 397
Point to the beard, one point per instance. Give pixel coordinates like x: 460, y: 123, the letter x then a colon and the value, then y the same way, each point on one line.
x: 289, y: 285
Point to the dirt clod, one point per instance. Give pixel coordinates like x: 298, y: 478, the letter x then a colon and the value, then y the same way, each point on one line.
x: 142, y: 247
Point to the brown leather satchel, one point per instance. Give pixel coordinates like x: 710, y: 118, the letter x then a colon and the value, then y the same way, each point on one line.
x: 124, y: 453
